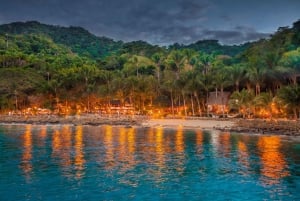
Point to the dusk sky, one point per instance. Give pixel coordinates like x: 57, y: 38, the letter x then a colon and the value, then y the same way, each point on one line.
x: 160, y: 22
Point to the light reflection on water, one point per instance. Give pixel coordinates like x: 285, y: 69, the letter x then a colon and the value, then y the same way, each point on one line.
x: 110, y: 163
x: 274, y: 166
x: 26, y: 164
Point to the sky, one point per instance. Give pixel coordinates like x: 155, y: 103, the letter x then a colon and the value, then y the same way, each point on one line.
x: 161, y: 22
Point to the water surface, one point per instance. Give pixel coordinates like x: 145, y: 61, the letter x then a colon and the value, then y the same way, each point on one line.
x: 66, y: 162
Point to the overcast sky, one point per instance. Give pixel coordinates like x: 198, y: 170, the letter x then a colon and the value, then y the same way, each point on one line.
x: 160, y: 22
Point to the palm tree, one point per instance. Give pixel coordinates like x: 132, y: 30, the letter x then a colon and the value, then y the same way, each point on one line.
x: 256, y: 75
x: 204, y: 62
x: 241, y: 101
x: 88, y: 73
x: 131, y: 84
x: 105, y: 89
x: 181, y: 84
x: 264, y: 101
x: 176, y: 61
x: 236, y: 73
x: 194, y: 85
x: 291, y: 60
x: 169, y: 85
x: 119, y: 88
x: 220, y: 80
x: 290, y: 95
x: 158, y: 59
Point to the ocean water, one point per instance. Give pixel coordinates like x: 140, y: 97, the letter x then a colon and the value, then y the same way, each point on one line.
x: 64, y: 162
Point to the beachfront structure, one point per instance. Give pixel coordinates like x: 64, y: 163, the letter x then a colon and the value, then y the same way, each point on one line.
x: 217, y: 102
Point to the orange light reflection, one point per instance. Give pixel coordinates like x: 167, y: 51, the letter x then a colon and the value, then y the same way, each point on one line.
x: 66, y: 145
x: 199, y: 141
x: 79, y: 155
x: 243, y: 156
x: 42, y: 136
x: 225, y: 144
x: 26, y: 165
x: 160, y: 150
x: 274, y: 166
x: 179, y: 148
x: 108, y: 142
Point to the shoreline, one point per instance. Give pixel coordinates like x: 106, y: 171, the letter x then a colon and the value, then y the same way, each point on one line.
x: 204, y: 124
x: 269, y: 127
x: 86, y: 119
x: 251, y: 126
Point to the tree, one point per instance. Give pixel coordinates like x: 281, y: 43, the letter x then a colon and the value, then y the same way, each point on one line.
x: 181, y: 83
x: 220, y: 80
x: 290, y: 95
x: 158, y: 59
x: 169, y: 85
x: 194, y: 85
x: 88, y: 73
x: 264, y: 102
x: 236, y: 73
x: 175, y: 61
x: 256, y: 75
x: 242, y: 101
x: 291, y: 60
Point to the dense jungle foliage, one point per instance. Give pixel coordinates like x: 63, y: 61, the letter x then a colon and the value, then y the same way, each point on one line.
x: 51, y: 66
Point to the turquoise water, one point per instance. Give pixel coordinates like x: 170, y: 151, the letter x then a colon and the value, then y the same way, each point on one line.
x: 117, y: 163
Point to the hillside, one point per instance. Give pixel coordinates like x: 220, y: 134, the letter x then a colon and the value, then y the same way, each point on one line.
x: 79, y: 40
x: 213, y: 47
x: 82, y: 42
x: 70, y: 69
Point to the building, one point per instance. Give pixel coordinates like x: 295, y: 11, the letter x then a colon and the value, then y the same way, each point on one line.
x: 217, y: 102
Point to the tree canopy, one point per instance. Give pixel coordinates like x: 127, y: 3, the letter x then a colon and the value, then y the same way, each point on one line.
x: 51, y: 66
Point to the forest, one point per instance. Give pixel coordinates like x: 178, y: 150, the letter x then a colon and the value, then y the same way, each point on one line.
x: 68, y: 70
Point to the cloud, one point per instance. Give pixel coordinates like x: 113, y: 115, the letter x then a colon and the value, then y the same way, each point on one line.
x: 159, y: 22
x: 238, y: 35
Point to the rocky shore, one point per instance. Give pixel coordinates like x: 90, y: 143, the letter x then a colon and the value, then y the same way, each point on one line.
x: 86, y: 119
x: 260, y: 126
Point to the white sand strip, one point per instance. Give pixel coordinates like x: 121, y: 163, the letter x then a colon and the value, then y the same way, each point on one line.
x: 173, y: 123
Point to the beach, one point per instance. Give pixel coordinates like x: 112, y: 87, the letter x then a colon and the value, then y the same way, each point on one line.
x: 84, y: 119
x: 256, y: 126
x: 190, y: 123
x: 129, y: 120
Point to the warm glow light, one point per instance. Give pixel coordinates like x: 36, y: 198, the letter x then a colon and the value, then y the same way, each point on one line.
x: 27, y: 152
x: 122, y: 152
x: 225, y: 144
x: 131, y: 140
x: 243, y: 155
x: 122, y: 142
x: 160, y: 150
x: 274, y: 166
x: 179, y: 144
x: 179, y: 148
x: 66, y: 144
x: 42, y: 136
x: 109, y: 147
x: 199, y: 141
x: 126, y: 148
x: 56, y: 143
x: 79, y: 156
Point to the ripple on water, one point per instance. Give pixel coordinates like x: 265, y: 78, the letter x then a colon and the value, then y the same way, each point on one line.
x: 117, y: 163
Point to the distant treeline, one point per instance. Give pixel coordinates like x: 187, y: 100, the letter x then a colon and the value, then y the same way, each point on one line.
x: 47, y: 66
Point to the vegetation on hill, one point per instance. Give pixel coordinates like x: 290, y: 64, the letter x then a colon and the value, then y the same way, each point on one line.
x: 79, y: 40
x: 70, y: 69
x: 213, y: 47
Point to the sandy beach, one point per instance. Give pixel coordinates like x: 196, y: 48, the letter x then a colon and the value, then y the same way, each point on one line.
x: 94, y: 119
x: 260, y: 126
x: 189, y: 123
